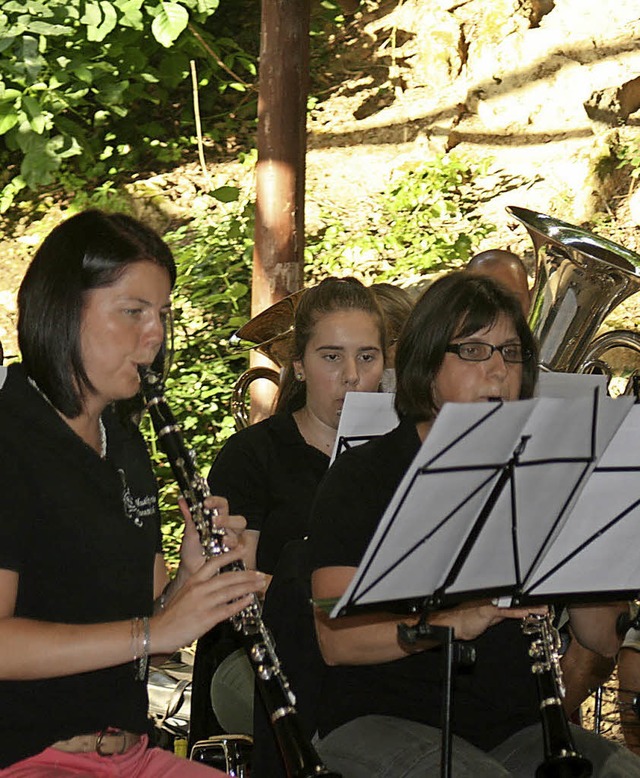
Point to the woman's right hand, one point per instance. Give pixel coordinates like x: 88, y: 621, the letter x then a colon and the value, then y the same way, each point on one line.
x: 472, y: 618
x: 205, y: 599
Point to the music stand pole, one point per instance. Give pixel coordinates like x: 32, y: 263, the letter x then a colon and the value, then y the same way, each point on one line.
x: 447, y: 688
x: 411, y: 635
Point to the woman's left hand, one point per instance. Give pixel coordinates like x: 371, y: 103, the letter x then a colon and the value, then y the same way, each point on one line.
x: 191, y: 551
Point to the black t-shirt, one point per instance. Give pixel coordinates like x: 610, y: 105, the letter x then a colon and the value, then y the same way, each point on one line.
x: 82, y: 534
x: 269, y: 475
x: 491, y: 700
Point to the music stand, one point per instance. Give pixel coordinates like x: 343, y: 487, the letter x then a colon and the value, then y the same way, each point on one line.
x: 501, y: 481
x: 364, y: 416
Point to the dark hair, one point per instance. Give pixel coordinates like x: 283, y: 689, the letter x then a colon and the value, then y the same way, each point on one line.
x: 396, y: 304
x: 87, y: 251
x: 454, y: 306
x: 330, y: 295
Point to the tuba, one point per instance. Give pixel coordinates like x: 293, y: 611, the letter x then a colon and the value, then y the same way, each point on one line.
x: 580, y: 279
x: 269, y: 333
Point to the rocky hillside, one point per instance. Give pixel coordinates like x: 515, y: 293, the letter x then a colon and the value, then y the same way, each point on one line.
x: 549, y: 90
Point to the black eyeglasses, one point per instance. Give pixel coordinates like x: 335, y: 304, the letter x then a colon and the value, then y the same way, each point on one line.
x: 477, y: 351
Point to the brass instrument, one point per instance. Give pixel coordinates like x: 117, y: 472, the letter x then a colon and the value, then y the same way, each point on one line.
x: 269, y: 333
x: 580, y: 279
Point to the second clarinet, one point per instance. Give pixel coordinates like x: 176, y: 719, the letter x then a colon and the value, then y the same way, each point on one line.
x: 300, y: 757
x: 561, y: 757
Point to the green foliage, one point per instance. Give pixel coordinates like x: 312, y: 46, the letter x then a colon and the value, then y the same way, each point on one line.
x: 211, y: 301
x: 87, y: 85
x: 426, y: 221
x: 628, y: 155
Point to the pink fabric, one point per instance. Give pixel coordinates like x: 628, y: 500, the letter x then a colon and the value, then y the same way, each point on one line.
x: 137, y: 762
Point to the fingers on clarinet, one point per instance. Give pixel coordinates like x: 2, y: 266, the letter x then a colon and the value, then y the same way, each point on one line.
x: 238, y: 604
x: 230, y: 539
x: 213, y: 565
x: 240, y: 585
x: 229, y: 522
x: 236, y: 523
x: 219, y: 505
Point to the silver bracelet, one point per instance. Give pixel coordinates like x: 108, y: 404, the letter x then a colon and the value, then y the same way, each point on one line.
x: 141, y: 643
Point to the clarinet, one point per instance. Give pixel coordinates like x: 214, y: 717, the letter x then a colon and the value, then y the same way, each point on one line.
x: 300, y: 757
x: 561, y: 758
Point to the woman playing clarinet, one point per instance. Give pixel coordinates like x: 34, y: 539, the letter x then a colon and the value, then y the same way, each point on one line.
x: 84, y: 594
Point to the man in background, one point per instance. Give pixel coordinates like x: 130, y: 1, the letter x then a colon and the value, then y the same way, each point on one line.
x: 506, y: 268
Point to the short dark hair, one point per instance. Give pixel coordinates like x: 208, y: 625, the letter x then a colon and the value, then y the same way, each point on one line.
x: 87, y: 251
x: 456, y: 305
x: 329, y: 296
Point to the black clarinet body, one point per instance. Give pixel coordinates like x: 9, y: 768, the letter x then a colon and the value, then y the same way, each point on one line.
x: 300, y: 757
x: 561, y: 758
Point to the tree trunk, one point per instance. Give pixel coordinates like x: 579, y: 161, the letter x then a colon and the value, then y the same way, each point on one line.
x: 280, y: 181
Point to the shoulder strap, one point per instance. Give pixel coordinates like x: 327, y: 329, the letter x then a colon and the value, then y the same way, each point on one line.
x: 3, y: 375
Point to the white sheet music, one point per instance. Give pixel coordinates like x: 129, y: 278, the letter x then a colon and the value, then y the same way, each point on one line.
x: 430, y: 539
x: 600, y: 536
x: 365, y: 415
x: 568, y: 385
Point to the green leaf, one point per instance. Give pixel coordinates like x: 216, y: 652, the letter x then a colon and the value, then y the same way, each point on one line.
x: 7, y: 95
x: 92, y: 15
x: 37, y: 168
x: 226, y: 194
x: 169, y: 23
x: 42, y: 28
x: 8, y: 121
x: 31, y: 56
x: 8, y: 194
x: 100, y: 18
x: 111, y: 94
x: 37, y: 120
x: 6, y: 42
x: 71, y: 129
x: 207, y: 6
x: 83, y: 73
x: 131, y: 15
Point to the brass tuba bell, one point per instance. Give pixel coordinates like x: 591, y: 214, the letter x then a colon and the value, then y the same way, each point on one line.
x: 270, y: 333
x: 580, y: 279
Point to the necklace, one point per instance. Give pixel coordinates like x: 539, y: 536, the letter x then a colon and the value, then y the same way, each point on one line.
x: 103, y: 438
x: 101, y: 430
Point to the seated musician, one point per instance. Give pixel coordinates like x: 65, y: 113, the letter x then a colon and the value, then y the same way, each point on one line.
x: 584, y: 670
x: 380, y: 703
x: 270, y: 471
x: 396, y: 304
x: 629, y: 688
x: 80, y: 544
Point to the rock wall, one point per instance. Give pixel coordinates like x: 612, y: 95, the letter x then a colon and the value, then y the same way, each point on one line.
x: 550, y: 90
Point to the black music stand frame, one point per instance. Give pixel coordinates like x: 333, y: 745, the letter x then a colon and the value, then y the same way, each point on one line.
x: 502, y: 475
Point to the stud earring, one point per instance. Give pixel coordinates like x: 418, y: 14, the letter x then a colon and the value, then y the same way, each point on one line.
x: 298, y: 376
